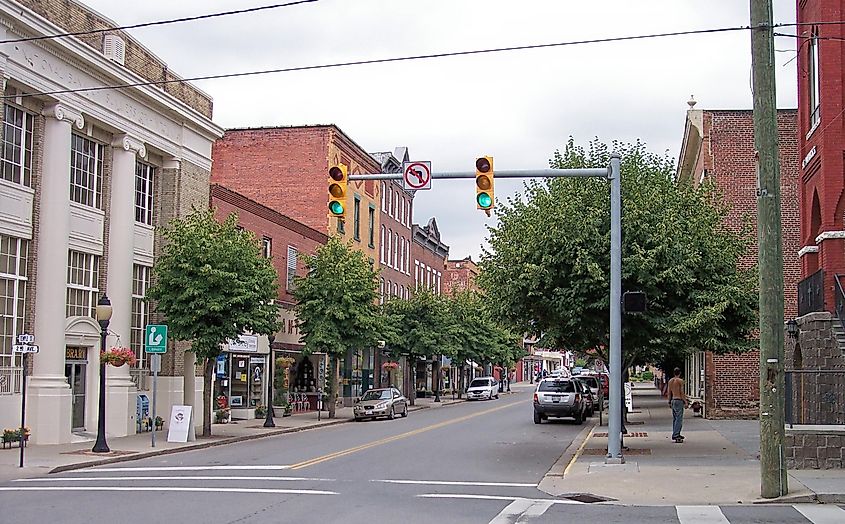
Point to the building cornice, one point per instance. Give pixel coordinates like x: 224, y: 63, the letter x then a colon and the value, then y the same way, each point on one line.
x: 807, y: 249
x: 830, y: 235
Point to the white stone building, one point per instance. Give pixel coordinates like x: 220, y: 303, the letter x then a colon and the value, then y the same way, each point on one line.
x: 87, y: 179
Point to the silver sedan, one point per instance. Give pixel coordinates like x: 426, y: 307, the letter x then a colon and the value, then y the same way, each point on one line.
x: 384, y: 402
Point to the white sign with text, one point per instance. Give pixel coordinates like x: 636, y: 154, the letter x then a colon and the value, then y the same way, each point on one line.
x: 180, y: 424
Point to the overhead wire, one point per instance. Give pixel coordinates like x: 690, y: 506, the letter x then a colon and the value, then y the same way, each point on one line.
x: 159, y: 22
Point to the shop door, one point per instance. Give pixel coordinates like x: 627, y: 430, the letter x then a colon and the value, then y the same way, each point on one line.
x: 75, y: 373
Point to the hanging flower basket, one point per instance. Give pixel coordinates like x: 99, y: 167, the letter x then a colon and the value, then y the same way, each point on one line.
x: 390, y: 366
x: 118, y: 357
x: 285, y: 362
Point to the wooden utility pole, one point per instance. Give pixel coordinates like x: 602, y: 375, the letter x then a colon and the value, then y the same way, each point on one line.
x: 773, y: 480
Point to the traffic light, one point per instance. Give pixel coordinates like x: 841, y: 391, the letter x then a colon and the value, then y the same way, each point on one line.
x: 484, y: 183
x: 337, y: 190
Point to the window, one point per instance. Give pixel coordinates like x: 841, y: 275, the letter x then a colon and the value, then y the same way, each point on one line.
x: 83, y: 274
x: 389, y: 246
x: 383, y: 192
x: 371, y: 221
x: 267, y: 247
x: 17, y: 146
x: 381, y: 290
x: 292, y: 253
x: 356, y: 214
x: 86, y: 171
x: 140, y: 311
x: 382, y: 245
x: 144, y: 174
x: 14, y: 253
x: 813, y: 54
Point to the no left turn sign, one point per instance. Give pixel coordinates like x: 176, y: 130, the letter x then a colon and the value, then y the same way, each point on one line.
x: 416, y: 175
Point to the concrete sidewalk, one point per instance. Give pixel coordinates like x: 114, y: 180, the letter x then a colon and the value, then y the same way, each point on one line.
x: 717, y: 464
x: 40, y: 460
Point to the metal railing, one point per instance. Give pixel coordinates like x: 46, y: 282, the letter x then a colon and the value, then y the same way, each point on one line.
x: 811, y: 293
x: 10, y: 380
x: 815, y: 397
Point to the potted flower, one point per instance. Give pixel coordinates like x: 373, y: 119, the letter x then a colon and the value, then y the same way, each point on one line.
x: 118, y: 357
x: 222, y: 402
x: 159, y: 423
x: 390, y: 366
x: 221, y: 416
x: 16, y: 435
x: 260, y: 411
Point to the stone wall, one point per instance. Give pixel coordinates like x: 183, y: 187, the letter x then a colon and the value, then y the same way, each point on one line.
x: 815, y: 448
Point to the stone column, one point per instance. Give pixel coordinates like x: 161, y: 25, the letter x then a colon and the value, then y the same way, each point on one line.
x: 49, y: 402
x: 121, y: 391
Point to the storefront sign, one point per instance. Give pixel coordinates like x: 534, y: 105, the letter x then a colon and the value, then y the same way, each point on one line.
x: 76, y: 353
x: 289, y: 334
x: 180, y: 424
x: 244, y: 344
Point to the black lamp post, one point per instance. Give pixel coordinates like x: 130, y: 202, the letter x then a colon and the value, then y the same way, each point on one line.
x: 436, y: 380
x: 792, y: 328
x: 268, y: 422
x: 103, y: 314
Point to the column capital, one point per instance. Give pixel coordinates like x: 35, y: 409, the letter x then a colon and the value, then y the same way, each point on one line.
x: 172, y: 163
x: 130, y: 143
x: 64, y: 113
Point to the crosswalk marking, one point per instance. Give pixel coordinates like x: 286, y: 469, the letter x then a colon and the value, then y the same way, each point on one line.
x: 178, y: 477
x: 701, y: 515
x: 171, y: 488
x: 460, y: 483
x: 490, y: 497
x: 186, y: 468
x: 521, y: 510
x: 821, y: 513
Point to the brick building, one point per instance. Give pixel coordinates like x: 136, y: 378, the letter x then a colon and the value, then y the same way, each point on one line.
x: 718, y: 147
x: 460, y: 275
x: 87, y: 180
x: 286, y: 169
x: 283, y: 240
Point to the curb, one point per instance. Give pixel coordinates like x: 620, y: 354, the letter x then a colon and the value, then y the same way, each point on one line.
x: 558, y: 469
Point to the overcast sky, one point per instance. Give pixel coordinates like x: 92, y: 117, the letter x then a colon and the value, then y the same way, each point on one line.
x: 516, y: 106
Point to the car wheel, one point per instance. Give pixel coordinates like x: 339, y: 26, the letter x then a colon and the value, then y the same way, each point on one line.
x: 390, y: 414
x: 579, y: 418
x: 537, y: 418
x: 405, y: 411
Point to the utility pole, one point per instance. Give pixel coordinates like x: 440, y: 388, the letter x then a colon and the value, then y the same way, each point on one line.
x: 773, y: 480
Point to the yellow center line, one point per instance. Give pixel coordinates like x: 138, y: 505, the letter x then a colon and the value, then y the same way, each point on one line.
x: 349, y: 451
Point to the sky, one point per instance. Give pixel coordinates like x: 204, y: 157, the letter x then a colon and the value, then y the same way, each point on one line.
x: 518, y: 106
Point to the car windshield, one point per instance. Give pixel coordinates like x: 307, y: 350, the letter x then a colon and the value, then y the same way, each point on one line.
x: 590, y: 381
x: 558, y: 386
x: 374, y: 394
x: 479, y: 383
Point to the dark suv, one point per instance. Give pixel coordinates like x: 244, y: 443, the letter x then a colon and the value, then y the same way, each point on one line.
x: 560, y: 397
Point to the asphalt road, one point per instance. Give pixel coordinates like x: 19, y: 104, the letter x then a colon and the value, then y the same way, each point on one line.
x: 474, y: 462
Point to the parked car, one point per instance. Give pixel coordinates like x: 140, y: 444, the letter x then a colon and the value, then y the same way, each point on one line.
x: 555, y: 397
x: 592, y: 382
x: 384, y: 402
x: 577, y: 370
x: 591, y: 395
x: 483, y: 388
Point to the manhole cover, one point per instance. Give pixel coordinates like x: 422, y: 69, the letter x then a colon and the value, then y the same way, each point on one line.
x: 630, y: 451
x: 586, y: 498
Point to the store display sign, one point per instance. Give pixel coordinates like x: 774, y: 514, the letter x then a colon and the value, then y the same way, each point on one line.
x: 244, y: 344
x: 180, y: 423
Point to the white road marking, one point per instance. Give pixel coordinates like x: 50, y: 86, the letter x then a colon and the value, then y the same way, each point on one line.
x: 174, y: 488
x: 459, y: 483
x: 522, y: 509
x: 491, y: 497
x: 205, y: 477
x: 701, y: 515
x: 821, y: 513
x: 185, y: 468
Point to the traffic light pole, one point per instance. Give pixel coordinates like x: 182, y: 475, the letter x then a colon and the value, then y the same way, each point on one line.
x: 613, y: 174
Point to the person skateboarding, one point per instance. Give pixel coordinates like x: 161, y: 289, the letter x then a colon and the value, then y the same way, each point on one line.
x: 678, y: 401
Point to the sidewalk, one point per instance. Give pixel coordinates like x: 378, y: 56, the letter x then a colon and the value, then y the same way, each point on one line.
x: 40, y: 460
x: 717, y: 464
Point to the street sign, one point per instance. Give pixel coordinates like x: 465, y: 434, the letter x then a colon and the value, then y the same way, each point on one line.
x: 24, y: 348
x: 155, y: 338
x: 26, y: 338
x: 416, y: 175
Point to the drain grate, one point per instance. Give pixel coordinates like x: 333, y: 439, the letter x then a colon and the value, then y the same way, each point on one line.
x: 633, y: 434
x: 586, y: 498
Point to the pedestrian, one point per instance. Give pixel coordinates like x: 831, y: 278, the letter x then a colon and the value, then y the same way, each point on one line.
x: 678, y: 401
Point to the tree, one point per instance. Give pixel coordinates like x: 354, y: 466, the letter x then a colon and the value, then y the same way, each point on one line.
x: 337, y: 305
x: 212, y: 284
x: 417, y: 327
x: 548, y: 267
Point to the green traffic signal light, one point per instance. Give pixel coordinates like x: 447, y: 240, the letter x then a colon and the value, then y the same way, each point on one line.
x: 484, y: 200
x: 336, y: 208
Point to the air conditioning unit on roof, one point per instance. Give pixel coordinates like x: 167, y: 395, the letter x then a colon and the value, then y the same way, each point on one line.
x: 114, y: 48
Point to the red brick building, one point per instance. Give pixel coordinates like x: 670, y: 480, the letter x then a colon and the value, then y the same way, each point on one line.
x: 460, y: 275
x: 718, y: 146
x: 429, y: 255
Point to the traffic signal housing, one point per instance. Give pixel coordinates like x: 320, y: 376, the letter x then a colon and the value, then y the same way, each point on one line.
x: 338, y: 180
x: 484, y: 183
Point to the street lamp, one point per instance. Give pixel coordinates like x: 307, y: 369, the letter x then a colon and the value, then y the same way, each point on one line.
x: 268, y: 422
x: 792, y: 328
x: 103, y: 315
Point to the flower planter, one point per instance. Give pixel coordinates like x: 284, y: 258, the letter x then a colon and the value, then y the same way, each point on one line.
x: 8, y: 442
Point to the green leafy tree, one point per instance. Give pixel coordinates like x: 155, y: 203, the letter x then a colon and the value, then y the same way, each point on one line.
x: 547, y: 271
x: 337, y: 305
x: 212, y: 284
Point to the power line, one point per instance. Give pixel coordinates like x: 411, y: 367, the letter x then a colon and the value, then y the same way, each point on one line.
x: 160, y: 22
x: 384, y: 61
